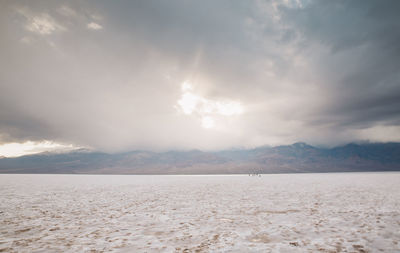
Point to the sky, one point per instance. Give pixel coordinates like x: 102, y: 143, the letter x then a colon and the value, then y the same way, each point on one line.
x: 161, y: 75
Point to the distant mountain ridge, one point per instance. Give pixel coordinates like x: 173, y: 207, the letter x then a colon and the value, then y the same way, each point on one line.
x: 295, y: 158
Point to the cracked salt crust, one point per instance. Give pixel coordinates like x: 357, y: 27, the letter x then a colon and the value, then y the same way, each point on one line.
x: 332, y: 212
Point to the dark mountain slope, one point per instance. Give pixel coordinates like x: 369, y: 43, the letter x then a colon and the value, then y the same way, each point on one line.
x: 299, y: 157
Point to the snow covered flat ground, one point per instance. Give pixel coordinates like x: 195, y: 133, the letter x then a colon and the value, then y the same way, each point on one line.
x: 333, y: 212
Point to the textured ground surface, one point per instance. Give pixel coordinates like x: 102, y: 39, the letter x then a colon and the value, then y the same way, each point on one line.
x: 354, y: 212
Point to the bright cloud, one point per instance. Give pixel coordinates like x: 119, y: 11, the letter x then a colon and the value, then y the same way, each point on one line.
x: 94, y: 26
x: 43, y: 24
x: 191, y: 103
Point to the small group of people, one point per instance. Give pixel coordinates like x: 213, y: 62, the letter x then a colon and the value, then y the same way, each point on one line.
x: 254, y: 175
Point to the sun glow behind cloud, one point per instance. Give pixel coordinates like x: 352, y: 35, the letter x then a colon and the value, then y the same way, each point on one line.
x: 206, y: 109
x: 18, y: 149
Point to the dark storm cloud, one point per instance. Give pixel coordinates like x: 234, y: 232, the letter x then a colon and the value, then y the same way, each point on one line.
x: 108, y: 74
x: 361, y: 67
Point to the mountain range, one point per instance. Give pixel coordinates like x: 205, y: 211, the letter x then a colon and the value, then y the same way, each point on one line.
x: 295, y: 158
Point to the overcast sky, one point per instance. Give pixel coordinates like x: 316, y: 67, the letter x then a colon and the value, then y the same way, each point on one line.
x: 209, y: 75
